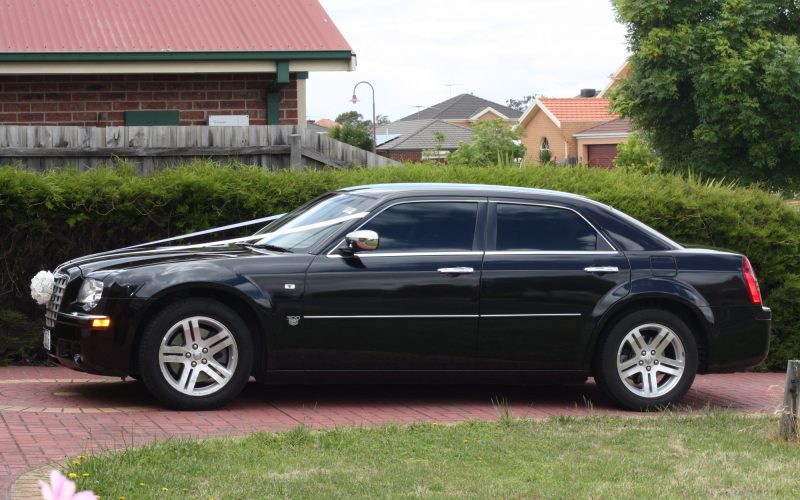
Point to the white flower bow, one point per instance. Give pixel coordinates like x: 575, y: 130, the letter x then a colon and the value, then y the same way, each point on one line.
x: 42, y: 287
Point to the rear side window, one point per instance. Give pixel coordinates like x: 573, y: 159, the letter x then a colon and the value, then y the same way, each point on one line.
x: 537, y: 228
x: 426, y: 227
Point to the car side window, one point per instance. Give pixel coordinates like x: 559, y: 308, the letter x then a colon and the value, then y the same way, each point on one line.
x: 426, y: 227
x: 538, y: 228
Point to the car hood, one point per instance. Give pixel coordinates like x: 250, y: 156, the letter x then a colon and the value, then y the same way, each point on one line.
x: 127, y: 259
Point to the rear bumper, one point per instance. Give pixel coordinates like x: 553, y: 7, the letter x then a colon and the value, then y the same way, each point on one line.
x: 740, y: 339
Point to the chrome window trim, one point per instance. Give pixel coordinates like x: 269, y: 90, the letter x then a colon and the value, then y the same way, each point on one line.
x: 477, y: 201
x: 547, y: 205
x: 550, y: 252
x: 407, y: 254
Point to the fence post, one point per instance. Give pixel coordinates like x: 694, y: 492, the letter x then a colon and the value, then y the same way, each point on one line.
x: 790, y: 400
x: 296, y: 152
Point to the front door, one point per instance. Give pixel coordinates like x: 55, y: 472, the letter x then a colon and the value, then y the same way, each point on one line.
x: 546, y: 269
x: 412, y: 304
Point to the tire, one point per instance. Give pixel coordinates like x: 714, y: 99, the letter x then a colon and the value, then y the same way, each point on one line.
x: 629, y: 373
x: 206, y: 372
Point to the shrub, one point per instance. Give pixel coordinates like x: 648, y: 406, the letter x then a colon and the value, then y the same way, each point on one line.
x: 51, y: 217
x: 493, y: 142
x: 545, y: 157
x: 637, y: 154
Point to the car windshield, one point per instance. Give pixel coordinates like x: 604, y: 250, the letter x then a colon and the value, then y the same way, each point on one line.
x: 310, y: 224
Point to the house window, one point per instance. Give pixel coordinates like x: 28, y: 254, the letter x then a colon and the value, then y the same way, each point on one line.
x: 545, y: 144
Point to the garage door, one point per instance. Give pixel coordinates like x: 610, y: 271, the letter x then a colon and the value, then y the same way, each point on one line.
x: 602, y: 155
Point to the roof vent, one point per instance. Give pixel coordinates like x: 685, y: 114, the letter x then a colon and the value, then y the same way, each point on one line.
x: 588, y: 93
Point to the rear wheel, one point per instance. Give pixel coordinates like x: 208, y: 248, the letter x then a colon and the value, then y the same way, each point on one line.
x: 196, y: 355
x: 648, y: 360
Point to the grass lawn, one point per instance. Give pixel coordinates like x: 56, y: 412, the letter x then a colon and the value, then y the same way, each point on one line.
x: 665, y: 455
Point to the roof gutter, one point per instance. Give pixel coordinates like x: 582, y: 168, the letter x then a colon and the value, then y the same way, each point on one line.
x: 612, y: 135
x: 304, y: 55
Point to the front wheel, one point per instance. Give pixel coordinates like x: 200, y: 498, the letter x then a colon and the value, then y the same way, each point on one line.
x: 196, y: 355
x: 648, y: 360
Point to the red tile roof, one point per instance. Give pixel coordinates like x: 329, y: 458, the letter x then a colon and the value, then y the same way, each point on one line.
x: 166, y: 25
x: 578, y: 109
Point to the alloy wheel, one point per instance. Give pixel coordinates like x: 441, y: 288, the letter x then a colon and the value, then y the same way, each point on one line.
x: 651, y: 360
x: 198, y: 356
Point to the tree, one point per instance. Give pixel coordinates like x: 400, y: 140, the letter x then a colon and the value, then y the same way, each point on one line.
x: 382, y: 120
x: 435, y: 153
x: 354, y: 130
x: 493, y: 143
x: 352, y: 118
x: 520, y: 104
x: 715, y: 84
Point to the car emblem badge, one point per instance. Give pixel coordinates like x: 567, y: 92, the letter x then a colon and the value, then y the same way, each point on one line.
x: 293, y: 320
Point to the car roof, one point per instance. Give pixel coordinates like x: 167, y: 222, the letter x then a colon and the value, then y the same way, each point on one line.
x: 633, y: 229
x: 430, y: 188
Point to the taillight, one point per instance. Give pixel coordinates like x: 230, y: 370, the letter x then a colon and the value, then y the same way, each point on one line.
x: 751, y: 281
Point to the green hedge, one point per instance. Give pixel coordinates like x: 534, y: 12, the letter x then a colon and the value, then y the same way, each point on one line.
x: 48, y: 218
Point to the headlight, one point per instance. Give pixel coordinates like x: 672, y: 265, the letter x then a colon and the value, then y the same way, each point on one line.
x: 90, y: 293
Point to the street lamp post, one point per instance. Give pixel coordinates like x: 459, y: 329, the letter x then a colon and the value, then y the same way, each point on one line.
x: 354, y: 100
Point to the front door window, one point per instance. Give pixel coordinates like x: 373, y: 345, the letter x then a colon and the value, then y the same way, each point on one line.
x: 426, y: 227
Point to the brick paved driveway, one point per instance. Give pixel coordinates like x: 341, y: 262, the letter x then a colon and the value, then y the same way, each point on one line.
x: 47, y: 414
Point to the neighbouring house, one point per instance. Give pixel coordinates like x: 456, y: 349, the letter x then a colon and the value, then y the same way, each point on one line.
x: 177, y: 62
x: 318, y: 129
x: 597, y: 146
x: 416, y: 140
x: 327, y: 123
x: 556, y: 124
x: 616, y: 77
x: 465, y: 109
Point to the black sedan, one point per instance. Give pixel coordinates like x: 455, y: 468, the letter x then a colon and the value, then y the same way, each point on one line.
x: 415, y: 283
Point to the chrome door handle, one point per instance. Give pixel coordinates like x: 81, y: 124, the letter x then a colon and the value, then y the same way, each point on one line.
x: 455, y: 270
x: 602, y: 269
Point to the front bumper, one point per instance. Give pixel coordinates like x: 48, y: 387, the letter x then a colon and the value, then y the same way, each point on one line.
x: 741, y: 338
x: 76, y: 344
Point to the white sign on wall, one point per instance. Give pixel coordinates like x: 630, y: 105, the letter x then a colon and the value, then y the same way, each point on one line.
x: 228, y: 120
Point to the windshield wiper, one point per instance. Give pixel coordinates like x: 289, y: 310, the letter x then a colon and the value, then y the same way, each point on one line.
x: 264, y: 246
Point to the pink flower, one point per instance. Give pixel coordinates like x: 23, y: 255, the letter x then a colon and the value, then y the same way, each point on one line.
x: 61, y: 488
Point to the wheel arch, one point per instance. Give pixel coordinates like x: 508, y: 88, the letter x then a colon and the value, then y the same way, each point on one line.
x: 251, y: 312
x: 698, y: 321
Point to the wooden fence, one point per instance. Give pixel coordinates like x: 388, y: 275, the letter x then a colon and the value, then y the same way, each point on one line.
x: 151, y: 148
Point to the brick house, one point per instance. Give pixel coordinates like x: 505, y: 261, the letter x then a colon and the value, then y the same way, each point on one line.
x: 415, y: 140
x: 180, y: 62
x: 597, y: 146
x: 557, y: 124
x: 465, y: 109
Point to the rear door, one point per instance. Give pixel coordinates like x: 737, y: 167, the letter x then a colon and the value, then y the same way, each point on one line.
x: 545, y: 271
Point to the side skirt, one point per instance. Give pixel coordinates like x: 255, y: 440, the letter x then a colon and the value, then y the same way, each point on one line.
x: 521, y: 377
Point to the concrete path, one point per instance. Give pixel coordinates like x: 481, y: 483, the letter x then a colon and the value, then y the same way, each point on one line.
x: 48, y: 414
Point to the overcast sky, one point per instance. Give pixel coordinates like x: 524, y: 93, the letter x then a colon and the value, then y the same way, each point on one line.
x: 410, y: 50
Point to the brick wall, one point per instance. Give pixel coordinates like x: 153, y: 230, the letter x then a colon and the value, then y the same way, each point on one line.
x: 99, y: 100
x: 539, y: 127
x: 402, y: 155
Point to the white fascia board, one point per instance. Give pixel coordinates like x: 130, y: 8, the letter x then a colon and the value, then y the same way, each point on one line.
x: 614, y: 77
x: 166, y: 67
x: 538, y: 105
x: 602, y: 136
x: 488, y: 110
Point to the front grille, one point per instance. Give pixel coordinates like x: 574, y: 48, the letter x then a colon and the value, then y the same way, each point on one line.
x: 55, y: 301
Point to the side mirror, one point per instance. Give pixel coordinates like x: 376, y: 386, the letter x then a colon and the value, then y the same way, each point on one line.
x: 362, y: 241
